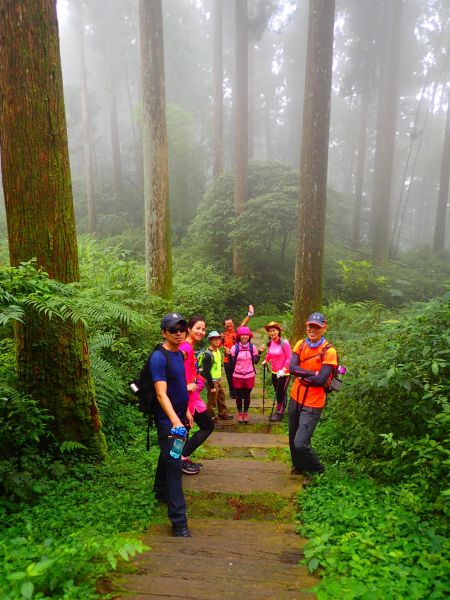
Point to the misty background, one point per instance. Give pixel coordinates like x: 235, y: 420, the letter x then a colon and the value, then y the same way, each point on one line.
x: 101, y: 72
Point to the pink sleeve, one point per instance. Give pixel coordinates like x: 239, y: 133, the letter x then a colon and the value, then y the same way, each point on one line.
x: 189, y: 362
x: 287, y: 353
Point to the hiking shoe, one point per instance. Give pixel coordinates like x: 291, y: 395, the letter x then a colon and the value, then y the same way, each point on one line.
x: 276, y: 417
x: 240, y: 418
x: 196, y: 464
x: 180, y: 531
x: 189, y: 468
x: 225, y: 417
x: 245, y: 418
x: 295, y: 471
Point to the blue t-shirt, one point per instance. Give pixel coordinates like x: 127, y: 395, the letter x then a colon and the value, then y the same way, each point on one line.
x: 176, y: 385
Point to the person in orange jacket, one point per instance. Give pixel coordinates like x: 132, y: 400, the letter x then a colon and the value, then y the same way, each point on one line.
x: 312, y: 363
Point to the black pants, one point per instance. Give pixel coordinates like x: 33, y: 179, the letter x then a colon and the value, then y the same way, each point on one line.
x: 168, y: 479
x: 242, y: 396
x: 302, y: 423
x: 206, y: 424
x: 280, y: 385
x: 229, y: 373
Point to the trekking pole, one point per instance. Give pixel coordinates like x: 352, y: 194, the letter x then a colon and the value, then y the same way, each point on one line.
x: 264, y: 384
x: 271, y: 412
x: 286, y: 395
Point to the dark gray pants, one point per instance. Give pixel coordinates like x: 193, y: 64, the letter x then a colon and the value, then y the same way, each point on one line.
x: 302, y: 423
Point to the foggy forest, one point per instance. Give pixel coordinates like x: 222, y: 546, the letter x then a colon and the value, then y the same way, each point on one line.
x: 260, y: 161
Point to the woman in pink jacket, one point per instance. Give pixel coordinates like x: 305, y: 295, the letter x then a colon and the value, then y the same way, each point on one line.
x: 244, y: 356
x: 196, y: 406
x: 279, y: 357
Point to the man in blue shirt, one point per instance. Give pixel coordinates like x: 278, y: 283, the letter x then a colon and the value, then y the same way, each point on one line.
x: 171, y: 413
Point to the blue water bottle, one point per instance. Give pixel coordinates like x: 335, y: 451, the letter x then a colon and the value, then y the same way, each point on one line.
x: 179, y: 439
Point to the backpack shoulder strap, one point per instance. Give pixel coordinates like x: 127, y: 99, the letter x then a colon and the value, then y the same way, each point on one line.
x: 300, y: 350
x: 324, y: 349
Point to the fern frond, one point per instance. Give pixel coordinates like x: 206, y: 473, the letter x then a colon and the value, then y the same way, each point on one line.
x: 101, y: 310
x: 101, y: 341
x: 109, y: 386
x: 52, y: 306
x: 11, y: 313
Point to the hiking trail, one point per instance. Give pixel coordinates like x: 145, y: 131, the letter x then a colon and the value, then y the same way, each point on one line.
x: 241, y: 515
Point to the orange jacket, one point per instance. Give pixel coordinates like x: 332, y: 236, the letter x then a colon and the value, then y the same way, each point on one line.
x: 310, y: 359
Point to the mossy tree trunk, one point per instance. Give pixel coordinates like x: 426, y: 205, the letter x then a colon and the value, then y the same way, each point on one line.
x: 314, y: 163
x: 156, y: 170
x: 53, y: 360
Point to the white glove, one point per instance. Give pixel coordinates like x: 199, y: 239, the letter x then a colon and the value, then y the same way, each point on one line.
x: 281, y: 373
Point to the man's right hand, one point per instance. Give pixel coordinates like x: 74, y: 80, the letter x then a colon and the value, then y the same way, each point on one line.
x: 177, y: 423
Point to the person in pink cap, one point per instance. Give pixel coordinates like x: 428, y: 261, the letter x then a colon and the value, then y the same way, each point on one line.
x: 244, y: 356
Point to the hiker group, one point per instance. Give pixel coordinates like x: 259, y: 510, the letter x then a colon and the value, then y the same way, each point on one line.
x: 179, y: 375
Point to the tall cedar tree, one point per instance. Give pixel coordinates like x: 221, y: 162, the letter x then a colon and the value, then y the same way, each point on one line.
x: 441, y: 212
x: 314, y: 163
x: 218, y: 87
x: 86, y: 121
x: 156, y: 170
x: 240, y: 116
x: 386, y: 128
x: 52, y: 357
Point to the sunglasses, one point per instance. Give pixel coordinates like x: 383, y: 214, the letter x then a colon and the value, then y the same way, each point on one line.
x: 177, y: 329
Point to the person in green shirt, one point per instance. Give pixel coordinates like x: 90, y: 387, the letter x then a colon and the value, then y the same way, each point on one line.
x: 212, y: 372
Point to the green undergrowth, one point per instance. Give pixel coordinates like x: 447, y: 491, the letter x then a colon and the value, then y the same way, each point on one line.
x: 79, y: 528
x: 377, y: 521
x: 373, y: 541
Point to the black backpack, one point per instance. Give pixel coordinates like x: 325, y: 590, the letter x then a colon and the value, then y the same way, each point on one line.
x: 144, y: 389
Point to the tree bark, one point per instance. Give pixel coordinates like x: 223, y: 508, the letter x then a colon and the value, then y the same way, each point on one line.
x: 115, y: 143
x: 386, y: 127
x: 218, y: 88
x: 86, y: 122
x: 441, y: 212
x: 357, y: 207
x: 240, y: 116
x: 52, y: 357
x: 156, y: 169
x: 314, y: 162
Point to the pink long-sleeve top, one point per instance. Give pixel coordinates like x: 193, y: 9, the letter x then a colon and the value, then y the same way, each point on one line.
x: 190, y: 371
x: 279, y: 355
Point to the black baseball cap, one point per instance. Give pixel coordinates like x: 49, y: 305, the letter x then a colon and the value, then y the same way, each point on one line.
x: 172, y: 319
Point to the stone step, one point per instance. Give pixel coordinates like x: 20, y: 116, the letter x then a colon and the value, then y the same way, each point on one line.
x: 234, y: 476
x: 223, y: 560
x: 242, y: 439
